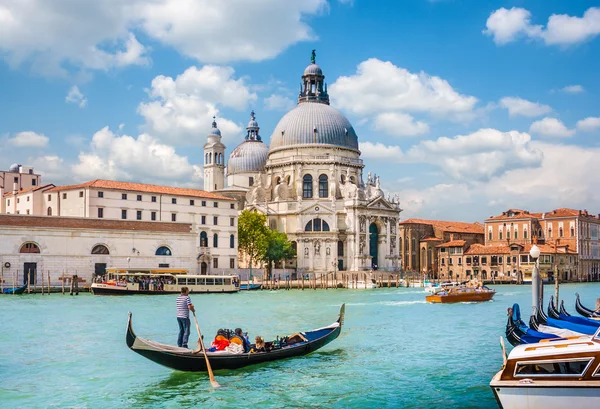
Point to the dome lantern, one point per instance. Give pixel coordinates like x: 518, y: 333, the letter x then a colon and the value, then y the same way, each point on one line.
x: 313, y: 87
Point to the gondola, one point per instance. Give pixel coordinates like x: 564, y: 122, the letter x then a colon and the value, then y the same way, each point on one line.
x: 552, y: 312
x: 563, y: 310
x: 517, y: 331
x: 563, y: 324
x: 534, y: 323
x: 183, y: 359
x: 586, y: 312
x: 15, y: 290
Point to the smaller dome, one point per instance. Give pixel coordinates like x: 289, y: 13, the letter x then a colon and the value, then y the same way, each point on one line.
x: 14, y: 167
x: 313, y: 69
x: 248, y: 156
x: 252, y: 124
x: 214, y: 130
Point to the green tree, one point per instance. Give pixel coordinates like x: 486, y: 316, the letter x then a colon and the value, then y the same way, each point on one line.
x: 278, y: 248
x: 253, y: 235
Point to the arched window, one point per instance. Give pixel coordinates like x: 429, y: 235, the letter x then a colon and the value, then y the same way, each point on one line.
x: 295, y: 248
x: 560, y: 232
x: 203, y: 239
x: 210, y: 157
x: 307, y: 187
x: 206, y: 158
x: 215, y: 240
x: 277, y: 180
x: 163, y: 251
x: 29, y: 248
x: 49, y: 211
x: 343, y: 179
x: 232, y: 241
x: 340, y: 249
x: 100, y: 249
x: 323, y: 186
x: 287, y: 180
x: 317, y: 225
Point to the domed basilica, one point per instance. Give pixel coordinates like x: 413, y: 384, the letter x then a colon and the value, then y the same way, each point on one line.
x: 309, y: 182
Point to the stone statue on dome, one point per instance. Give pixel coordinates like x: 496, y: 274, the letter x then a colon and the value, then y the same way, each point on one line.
x: 313, y: 57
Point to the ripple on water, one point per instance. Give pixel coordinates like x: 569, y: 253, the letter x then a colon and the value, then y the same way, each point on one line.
x: 395, y: 350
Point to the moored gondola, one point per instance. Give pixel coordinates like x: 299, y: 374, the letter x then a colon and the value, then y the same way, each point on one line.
x: 184, y: 359
x: 15, y: 290
x: 586, y: 312
x: 517, y: 331
x: 567, y: 323
x: 552, y: 311
x: 563, y: 310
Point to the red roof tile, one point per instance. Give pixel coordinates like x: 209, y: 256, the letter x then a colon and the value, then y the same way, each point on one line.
x: 456, y: 227
x: 142, y: 187
x: 479, y: 249
x: 31, y: 189
x: 454, y: 243
x: 430, y: 239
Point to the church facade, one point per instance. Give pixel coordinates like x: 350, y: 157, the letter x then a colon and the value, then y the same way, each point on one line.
x: 309, y: 182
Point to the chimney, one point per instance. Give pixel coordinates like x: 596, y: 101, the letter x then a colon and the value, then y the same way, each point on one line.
x: 15, y: 189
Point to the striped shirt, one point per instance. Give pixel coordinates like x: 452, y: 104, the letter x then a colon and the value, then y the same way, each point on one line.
x: 183, y: 302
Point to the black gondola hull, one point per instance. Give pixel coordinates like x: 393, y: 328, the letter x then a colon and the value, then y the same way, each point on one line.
x: 195, y: 362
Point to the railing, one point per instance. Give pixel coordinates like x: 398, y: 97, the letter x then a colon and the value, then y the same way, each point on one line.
x: 318, y: 158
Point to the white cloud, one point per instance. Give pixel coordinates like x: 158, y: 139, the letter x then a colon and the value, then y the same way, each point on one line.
x: 29, y: 139
x: 181, y: 109
x: 137, y: 159
x: 76, y: 97
x: 399, y: 124
x: 573, y: 186
x: 573, y: 89
x: 506, y: 26
x: 52, y: 34
x: 380, y: 86
x: 481, y: 155
x: 277, y: 102
x: 552, y: 128
x: 379, y: 151
x: 589, y: 124
x: 521, y: 107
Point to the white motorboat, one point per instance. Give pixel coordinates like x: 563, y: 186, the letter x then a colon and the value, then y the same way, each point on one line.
x: 434, y: 288
x: 553, y: 374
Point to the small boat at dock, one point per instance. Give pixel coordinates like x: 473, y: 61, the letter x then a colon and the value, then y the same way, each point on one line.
x: 162, y: 281
x: 15, y: 290
x: 183, y: 359
x: 250, y: 287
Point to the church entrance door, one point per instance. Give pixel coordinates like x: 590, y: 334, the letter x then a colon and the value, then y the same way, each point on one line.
x: 373, y: 241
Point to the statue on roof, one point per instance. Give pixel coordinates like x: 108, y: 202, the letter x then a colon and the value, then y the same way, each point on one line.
x: 313, y: 57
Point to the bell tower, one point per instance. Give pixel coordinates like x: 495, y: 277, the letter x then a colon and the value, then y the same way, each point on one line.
x: 214, y: 160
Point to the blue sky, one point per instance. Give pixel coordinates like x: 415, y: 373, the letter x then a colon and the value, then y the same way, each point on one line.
x: 465, y: 108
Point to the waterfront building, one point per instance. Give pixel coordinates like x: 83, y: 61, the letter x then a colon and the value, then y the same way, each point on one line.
x: 211, y: 221
x: 309, y: 182
x: 425, y: 245
x: 17, y: 178
x: 560, y: 231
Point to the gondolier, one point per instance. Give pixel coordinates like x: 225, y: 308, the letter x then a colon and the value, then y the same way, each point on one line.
x: 184, y: 306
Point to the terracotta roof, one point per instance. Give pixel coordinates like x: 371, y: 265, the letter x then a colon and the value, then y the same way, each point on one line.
x: 142, y: 187
x: 516, y: 214
x: 479, y: 249
x: 457, y: 227
x: 524, y: 214
x: 454, y: 243
x: 28, y: 190
x: 430, y: 239
x: 20, y: 220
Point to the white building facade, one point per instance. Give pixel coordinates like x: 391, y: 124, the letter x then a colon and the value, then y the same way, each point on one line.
x: 309, y: 182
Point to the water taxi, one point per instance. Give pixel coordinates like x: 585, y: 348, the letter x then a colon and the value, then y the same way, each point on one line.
x: 552, y: 374
x: 463, y: 294
x: 162, y: 281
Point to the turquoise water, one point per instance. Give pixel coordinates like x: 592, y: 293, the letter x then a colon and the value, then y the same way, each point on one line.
x: 395, y: 351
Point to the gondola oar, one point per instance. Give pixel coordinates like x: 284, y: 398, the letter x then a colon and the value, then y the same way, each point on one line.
x: 213, y: 381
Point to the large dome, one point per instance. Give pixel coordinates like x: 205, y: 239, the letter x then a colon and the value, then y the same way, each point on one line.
x: 314, y: 123
x: 248, y: 156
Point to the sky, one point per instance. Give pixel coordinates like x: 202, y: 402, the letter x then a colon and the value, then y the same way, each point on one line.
x: 464, y: 108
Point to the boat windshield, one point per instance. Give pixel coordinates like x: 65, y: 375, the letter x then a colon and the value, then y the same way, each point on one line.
x: 596, y: 336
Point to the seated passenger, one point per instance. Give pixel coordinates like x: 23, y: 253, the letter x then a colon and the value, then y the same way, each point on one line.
x: 219, y: 343
x: 259, y: 345
x: 243, y: 337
